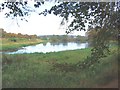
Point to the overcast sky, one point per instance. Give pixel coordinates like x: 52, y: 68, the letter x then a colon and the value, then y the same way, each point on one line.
x: 37, y: 24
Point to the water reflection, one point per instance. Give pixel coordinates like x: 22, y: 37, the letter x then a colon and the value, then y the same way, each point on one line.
x: 59, y: 43
x: 50, y: 47
x: 44, y: 44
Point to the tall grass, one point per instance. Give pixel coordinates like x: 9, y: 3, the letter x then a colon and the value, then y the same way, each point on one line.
x: 35, y: 70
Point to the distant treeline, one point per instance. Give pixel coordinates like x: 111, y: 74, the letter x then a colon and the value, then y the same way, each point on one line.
x: 4, y: 34
x: 64, y: 38
x: 50, y: 38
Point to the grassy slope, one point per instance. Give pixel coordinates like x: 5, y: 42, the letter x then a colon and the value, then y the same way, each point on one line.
x: 7, y: 44
x: 34, y: 70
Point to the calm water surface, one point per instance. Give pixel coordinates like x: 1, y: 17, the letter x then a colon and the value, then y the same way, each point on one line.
x: 50, y: 47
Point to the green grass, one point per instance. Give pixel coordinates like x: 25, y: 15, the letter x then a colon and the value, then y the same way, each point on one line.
x: 9, y: 45
x: 35, y: 70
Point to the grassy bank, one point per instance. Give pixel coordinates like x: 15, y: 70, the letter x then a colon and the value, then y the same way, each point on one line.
x: 36, y: 70
x: 9, y: 44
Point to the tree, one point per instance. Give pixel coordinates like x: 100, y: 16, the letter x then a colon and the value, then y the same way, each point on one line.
x: 102, y: 16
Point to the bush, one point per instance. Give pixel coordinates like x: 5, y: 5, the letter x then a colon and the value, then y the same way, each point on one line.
x: 13, y: 39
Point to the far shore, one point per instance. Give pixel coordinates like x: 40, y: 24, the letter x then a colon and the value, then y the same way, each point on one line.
x: 14, y: 46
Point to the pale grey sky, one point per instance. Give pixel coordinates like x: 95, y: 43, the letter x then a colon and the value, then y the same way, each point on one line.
x: 37, y: 24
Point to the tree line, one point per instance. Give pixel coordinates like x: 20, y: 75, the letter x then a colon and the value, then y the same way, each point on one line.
x: 64, y: 38
x: 4, y: 34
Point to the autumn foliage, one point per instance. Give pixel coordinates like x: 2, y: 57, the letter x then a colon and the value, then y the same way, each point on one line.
x: 4, y: 34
